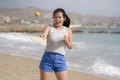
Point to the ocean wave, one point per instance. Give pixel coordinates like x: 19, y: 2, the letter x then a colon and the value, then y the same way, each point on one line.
x: 16, y: 37
x: 98, y: 68
x: 73, y: 66
x: 101, y: 67
x: 80, y: 45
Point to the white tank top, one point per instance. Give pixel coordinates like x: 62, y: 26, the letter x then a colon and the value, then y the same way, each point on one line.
x: 55, y: 40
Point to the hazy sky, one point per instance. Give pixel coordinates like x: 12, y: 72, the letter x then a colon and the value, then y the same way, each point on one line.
x: 84, y: 7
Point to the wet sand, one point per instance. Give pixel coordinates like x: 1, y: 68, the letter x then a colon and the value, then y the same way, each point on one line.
x: 21, y: 68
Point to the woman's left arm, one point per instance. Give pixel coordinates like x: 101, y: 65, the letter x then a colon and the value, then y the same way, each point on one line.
x: 68, y: 39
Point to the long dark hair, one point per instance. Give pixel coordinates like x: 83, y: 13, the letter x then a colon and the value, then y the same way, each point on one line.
x: 67, y: 20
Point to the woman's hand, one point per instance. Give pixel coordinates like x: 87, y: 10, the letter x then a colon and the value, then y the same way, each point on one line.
x: 42, y: 36
x: 65, y: 39
x: 68, y: 38
x: 68, y: 42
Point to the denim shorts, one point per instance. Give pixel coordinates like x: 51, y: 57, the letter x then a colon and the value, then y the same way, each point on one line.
x: 53, y: 62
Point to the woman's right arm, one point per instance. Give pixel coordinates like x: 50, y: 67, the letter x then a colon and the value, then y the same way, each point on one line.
x: 45, y: 31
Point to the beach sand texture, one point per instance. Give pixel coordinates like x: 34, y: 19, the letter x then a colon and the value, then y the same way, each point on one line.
x: 21, y: 68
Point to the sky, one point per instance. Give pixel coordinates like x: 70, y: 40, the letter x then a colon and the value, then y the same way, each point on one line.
x: 110, y: 8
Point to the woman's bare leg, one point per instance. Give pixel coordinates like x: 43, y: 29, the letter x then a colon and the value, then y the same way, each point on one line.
x: 61, y: 75
x: 44, y: 75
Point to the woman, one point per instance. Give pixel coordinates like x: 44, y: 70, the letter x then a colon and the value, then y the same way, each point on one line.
x: 58, y: 36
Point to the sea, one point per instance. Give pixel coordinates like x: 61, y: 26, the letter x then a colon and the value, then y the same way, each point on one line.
x: 92, y: 53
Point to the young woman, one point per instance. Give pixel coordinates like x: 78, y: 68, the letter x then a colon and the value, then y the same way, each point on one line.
x: 59, y: 36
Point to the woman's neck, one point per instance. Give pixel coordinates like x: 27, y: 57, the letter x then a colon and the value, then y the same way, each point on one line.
x: 59, y: 27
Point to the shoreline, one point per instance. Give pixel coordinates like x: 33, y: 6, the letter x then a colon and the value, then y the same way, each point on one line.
x: 22, y: 68
x: 33, y: 29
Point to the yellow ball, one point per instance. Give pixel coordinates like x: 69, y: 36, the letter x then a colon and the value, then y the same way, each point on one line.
x: 37, y: 14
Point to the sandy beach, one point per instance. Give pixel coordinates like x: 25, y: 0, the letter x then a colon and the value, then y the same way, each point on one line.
x: 21, y: 68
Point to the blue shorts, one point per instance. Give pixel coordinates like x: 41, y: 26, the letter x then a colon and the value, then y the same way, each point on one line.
x: 53, y: 62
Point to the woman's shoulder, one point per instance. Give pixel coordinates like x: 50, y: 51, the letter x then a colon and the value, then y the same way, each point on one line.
x: 50, y: 25
x: 69, y: 30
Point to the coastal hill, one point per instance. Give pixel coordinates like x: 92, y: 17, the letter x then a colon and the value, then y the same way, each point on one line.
x: 26, y: 15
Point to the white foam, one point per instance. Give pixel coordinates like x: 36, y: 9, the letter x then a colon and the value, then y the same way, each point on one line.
x: 73, y: 66
x: 100, y: 67
x: 80, y: 45
x: 16, y: 36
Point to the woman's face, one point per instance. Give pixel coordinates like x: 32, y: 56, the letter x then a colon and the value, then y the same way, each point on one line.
x: 58, y: 19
